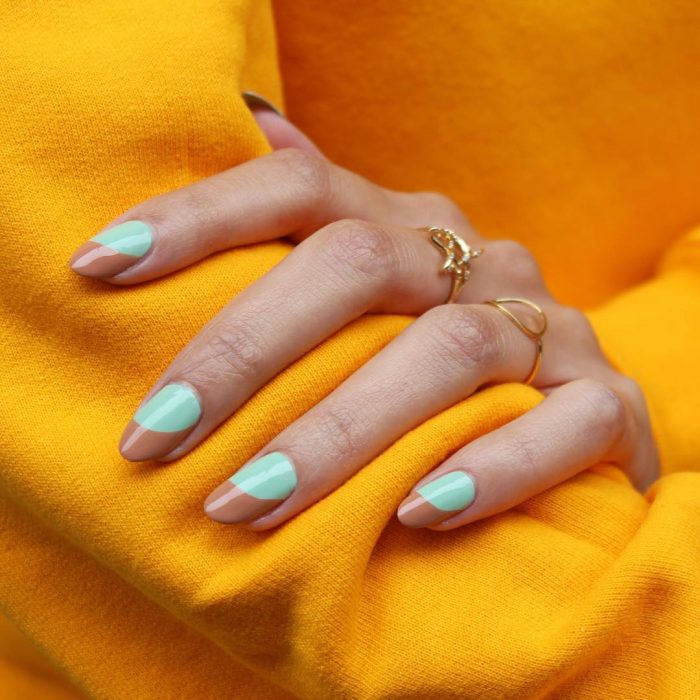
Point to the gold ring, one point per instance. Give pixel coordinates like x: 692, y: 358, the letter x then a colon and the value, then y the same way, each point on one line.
x: 534, y: 333
x: 458, y: 253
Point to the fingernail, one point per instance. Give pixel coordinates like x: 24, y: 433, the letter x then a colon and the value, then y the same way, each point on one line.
x: 113, y: 251
x: 253, y: 490
x: 161, y: 424
x: 437, y: 500
x: 252, y: 99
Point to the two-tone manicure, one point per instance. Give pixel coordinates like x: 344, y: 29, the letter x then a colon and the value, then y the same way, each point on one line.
x: 161, y: 424
x: 437, y: 500
x: 253, y: 490
x: 113, y: 251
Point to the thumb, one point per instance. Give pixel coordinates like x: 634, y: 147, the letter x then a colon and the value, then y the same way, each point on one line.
x: 280, y: 132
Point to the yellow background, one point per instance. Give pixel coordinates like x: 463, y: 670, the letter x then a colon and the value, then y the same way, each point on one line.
x: 571, y: 128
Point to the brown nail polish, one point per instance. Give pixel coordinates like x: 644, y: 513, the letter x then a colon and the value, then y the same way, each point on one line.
x: 138, y: 444
x: 229, y: 504
x: 418, y: 512
x: 437, y: 500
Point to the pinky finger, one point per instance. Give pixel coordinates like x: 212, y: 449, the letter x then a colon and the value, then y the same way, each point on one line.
x: 577, y: 425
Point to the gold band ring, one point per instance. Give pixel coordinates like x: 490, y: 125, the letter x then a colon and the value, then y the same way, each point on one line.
x: 536, y: 333
x: 458, y: 253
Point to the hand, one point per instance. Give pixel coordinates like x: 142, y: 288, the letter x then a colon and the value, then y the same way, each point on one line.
x: 359, y: 251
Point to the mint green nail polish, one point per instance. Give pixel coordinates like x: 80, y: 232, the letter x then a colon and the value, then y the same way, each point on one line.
x: 131, y: 238
x: 270, y: 477
x: 175, y: 407
x: 452, y: 491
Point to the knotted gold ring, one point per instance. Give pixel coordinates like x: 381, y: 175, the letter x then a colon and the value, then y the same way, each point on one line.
x: 458, y: 254
x: 534, y: 333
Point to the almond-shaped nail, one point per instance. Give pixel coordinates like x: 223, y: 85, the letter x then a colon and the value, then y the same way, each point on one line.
x: 161, y: 424
x: 253, y: 490
x: 437, y: 500
x: 113, y: 251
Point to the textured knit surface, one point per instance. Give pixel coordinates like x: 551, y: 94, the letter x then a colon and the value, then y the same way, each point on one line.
x: 590, y: 590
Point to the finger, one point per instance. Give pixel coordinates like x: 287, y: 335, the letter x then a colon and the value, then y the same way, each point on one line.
x: 443, y: 357
x: 577, y: 425
x: 288, y: 192
x: 343, y: 271
x: 280, y: 132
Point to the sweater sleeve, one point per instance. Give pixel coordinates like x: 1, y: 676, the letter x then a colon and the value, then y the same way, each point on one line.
x: 652, y: 333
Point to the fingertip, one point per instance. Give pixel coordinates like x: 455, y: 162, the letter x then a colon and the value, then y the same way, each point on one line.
x: 432, y: 503
x: 415, y: 512
x: 96, y: 261
x: 112, y: 251
x: 280, y: 132
x: 220, y: 505
x: 261, y: 525
x: 443, y: 526
x: 139, y: 444
x: 162, y: 423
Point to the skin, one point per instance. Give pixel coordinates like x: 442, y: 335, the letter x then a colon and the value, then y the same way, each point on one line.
x: 359, y: 251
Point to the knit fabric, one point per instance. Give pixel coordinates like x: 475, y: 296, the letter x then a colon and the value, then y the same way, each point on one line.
x: 589, y: 590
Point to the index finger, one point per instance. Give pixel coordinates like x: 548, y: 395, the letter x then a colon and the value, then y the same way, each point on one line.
x: 287, y: 192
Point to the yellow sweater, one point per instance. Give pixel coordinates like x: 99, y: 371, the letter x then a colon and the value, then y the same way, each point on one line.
x: 570, y: 126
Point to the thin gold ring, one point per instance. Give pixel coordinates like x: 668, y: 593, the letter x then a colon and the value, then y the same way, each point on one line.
x: 534, y: 333
x: 458, y: 254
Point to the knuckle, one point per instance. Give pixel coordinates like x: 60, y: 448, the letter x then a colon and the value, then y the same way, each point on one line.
x: 577, y: 325
x: 340, y: 431
x: 607, y: 405
x: 193, y: 206
x: 526, y: 455
x: 463, y: 334
x: 638, y: 414
x: 441, y: 207
x: 515, y: 262
x: 308, y: 169
x: 234, y: 350
x: 361, y: 248
x: 631, y: 388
